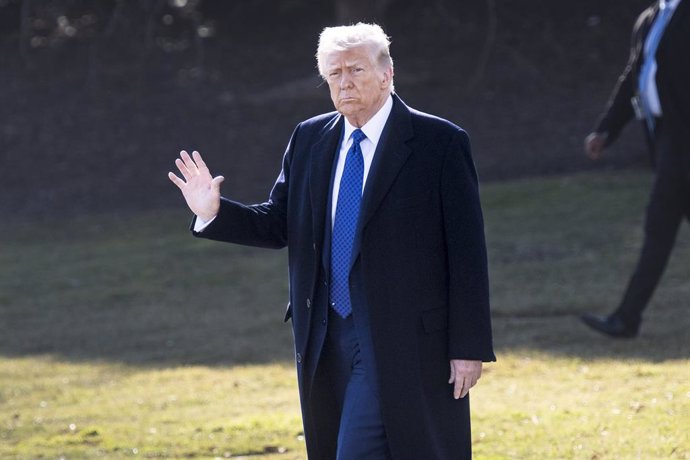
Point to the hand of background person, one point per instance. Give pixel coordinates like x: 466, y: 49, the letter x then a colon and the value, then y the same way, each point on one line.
x: 199, y: 188
x: 464, y: 374
x: 594, y: 145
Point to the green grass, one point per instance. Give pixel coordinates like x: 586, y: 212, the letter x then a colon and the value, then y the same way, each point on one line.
x: 80, y: 410
x: 121, y: 336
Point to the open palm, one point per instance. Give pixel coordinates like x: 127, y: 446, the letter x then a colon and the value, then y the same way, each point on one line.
x: 201, y: 191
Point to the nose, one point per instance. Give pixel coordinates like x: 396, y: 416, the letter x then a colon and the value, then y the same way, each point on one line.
x: 345, y: 81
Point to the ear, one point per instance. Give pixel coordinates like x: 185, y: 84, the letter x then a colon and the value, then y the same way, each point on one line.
x: 387, y: 77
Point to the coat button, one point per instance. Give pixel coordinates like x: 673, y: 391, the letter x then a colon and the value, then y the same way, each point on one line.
x: 308, y: 302
x: 299, y: 358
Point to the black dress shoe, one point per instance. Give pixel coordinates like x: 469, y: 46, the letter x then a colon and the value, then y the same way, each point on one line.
x: 612, y: 325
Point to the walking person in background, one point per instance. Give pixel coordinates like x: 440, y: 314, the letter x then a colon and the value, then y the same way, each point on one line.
x: 654, y: 88
x: 379, y: 207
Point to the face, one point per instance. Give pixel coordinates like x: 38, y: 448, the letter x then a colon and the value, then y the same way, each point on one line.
x: 358, y: 85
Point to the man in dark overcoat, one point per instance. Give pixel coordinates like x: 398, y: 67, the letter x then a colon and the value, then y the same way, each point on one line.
x: 655, y: 88
x: 379, y: 207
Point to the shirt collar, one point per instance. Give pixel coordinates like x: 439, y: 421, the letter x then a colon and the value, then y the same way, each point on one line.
x: 374, y: 127
x: 669, y: 3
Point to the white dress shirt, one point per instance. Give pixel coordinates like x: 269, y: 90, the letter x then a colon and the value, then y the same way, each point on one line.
x: 650, y: 93
x: 372, y: 129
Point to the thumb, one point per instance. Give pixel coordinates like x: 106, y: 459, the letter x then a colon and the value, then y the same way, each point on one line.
x: 215, y: 183
x: 452, y: 374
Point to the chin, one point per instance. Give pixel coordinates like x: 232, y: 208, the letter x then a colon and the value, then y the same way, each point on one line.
x: 347, y: 108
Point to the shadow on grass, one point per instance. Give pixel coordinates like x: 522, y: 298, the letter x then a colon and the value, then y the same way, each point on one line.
x: 211, y: 333
x: 664, y: 336
x: 139, y: 289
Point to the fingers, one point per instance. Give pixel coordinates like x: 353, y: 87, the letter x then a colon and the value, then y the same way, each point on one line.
x: 462, y: 386
x: 192, y: 165
x: 185, y: 165
x: 182, y: 167
x: 592, y: 151
x: 594, y: 145
x: 200, y: 164
x: 464, y: 375
x: 189, y: 167
x: 176, y: 180
x: 463, y: 383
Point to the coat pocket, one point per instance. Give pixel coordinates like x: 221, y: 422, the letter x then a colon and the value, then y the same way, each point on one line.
x: 435, y: 319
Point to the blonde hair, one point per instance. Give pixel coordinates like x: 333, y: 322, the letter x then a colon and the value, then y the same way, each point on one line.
x: 342, y: 38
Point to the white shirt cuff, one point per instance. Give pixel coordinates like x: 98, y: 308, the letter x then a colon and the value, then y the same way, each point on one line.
x: 200, y: 224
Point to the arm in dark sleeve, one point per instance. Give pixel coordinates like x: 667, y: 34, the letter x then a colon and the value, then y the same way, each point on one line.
x: 262, y: 225
x: 259, y: 225
x: 619, y: 109
x: 469, y: 318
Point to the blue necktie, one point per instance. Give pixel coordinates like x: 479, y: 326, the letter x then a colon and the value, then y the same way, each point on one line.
x: 345, y: 226
x: 651, y: 45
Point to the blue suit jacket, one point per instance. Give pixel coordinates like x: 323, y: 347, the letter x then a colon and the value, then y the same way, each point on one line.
x: 419, y: 279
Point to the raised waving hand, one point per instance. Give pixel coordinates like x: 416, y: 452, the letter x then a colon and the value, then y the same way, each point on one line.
x: 201, y: 191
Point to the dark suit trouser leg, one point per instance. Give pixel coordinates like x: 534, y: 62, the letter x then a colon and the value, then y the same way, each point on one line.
x: 667, y: 206
x: 361, y: 435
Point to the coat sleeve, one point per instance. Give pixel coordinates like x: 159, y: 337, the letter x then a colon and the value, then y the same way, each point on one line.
x: 263, y: 225
x: 469, y: 319
x: 619, y: 109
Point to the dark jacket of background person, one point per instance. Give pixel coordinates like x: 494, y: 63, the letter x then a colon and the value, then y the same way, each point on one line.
x: 669, y: 136
x: 672, y: 80
x: 420, y: 271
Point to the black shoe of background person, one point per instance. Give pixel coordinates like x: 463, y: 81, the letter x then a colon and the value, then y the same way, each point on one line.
x: 612, y: 325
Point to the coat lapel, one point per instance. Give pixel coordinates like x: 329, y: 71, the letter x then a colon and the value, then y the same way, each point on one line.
x: 323, y: 153
x: 391, y: 154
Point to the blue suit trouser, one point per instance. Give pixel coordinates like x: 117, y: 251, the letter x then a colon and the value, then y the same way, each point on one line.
x: 361, y: 435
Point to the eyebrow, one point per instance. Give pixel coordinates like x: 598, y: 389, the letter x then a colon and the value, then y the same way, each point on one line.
x: 355, y: 63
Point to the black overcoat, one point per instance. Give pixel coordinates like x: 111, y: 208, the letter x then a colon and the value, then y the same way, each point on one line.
x: 420, y: 271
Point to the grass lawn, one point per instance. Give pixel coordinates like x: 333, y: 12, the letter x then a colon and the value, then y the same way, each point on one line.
x: 121, y: 336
